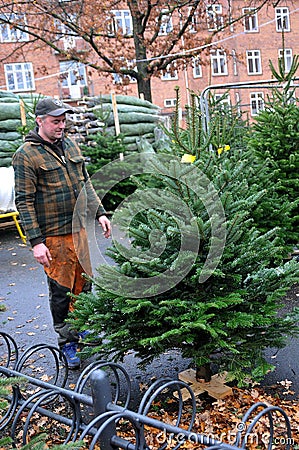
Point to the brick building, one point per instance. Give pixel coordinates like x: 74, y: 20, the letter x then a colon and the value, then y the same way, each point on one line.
x: 239, y: 56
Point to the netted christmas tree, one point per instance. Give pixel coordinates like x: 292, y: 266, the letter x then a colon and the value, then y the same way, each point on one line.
x: 198, y: 273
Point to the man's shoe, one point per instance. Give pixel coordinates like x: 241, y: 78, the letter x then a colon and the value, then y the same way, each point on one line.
x: 83, y: 339
x: 70, y: 352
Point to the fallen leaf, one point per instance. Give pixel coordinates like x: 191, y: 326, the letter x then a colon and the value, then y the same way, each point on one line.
x: 254, y: 393
x: 46, y: 378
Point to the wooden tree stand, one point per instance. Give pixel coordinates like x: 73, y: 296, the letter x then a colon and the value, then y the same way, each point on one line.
x: 216, y: 388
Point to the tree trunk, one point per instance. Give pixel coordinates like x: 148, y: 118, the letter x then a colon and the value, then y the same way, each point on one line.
x: 144, y: 88
x: 143, y: 78
x: 204, y: 373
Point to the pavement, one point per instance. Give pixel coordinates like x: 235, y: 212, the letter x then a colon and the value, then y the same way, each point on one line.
x: 23, y: 291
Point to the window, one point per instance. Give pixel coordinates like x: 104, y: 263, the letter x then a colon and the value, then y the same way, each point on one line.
x: 287, y: 56
x: 282, y: 16
x: 254, y: 65
x: 250, y: 20
x: 119, y: 78
x: 72, y: 72
x: 73, y: 77
x: 194, y: 24
x: 214, y: 17
x: 10, y: 34
x: 218, y: 62
x: 238, y: 103
x: 256, y: 103
x: 235, y: 61
x: 170, y: 74
x: 222, y: 100
x: 122, y: 21
x: 197, y: 72
x: 66, y: 35
x: 166, y: 23
x: 19, y: 77
x: 169, y: 102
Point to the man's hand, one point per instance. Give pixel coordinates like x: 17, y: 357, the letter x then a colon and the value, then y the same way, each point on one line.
x: 106, y: 225
x: 42, y: 254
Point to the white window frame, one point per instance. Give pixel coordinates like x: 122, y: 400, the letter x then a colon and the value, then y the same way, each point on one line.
x: 118, y: 78
x: 218, y: 62
x: 169, y: 102
x: 287, y: 55
x: 122, y: 20
x: 237, y: 103
x: 65, y: 34
x: 196, y: 66
x: 194, y: 21
x: 250, y: 20
x: 257, y: 103
x: 68, y: 70
x: 166, y: 26
x: 169, y: 75
x: 224, y: 100
x: 235, y: 62
x: 254, y: 62
x: 11, y: 34
x: 214, y: 16
x: 282, y: 19
x: 19, y: 77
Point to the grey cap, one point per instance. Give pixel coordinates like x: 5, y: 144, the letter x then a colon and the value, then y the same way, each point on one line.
x: 51, y: 107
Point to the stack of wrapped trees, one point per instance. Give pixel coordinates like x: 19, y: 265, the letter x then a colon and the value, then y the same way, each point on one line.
x: 10, y: 124
x: 136, y: 119
x: 16, y: 118
x: 83, y: 124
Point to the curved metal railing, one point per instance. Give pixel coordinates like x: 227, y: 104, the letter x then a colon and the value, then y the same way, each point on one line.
x: 94, y: 412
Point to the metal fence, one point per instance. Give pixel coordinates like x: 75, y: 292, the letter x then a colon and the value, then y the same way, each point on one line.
x: 96, y: 410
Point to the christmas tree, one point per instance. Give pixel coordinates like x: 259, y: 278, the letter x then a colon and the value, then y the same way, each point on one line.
x: 101, y: 149
x: 275, y: 137
x: 199, y: 273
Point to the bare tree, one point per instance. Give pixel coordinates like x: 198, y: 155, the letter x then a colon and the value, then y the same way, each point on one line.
x: 135, y: 39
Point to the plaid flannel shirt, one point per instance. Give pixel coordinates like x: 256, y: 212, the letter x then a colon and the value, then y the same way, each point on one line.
x: 53, y: 195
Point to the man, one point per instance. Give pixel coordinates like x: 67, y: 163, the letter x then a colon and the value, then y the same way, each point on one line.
x: 53, y: 194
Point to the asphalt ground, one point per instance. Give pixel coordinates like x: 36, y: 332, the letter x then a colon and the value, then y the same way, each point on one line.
x: 23, y: 291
